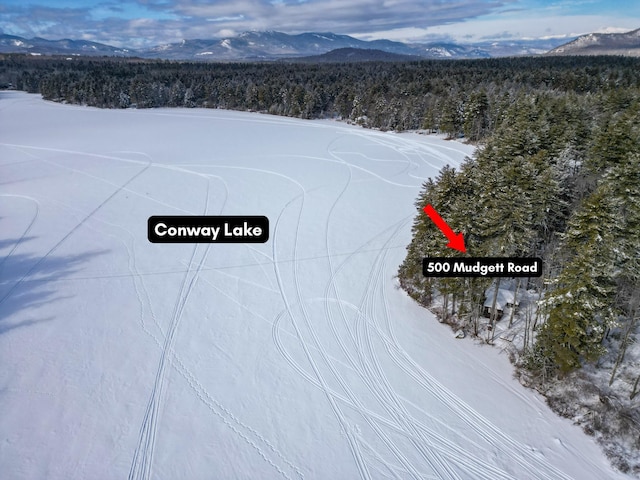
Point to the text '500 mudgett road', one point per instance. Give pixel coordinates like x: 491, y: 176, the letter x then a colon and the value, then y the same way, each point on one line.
x: 208, y: 229
x: 481, y: 267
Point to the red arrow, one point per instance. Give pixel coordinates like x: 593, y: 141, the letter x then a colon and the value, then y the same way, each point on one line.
x: 456, y: 241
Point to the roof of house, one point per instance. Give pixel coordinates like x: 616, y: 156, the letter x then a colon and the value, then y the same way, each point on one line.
x: 505, y: 296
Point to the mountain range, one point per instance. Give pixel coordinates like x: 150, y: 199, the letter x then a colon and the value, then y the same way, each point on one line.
x: 42, y: 46
x: 272, y: 45
x: 627, y: 44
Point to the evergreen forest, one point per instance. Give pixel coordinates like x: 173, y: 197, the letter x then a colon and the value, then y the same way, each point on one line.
x: 556, y: 175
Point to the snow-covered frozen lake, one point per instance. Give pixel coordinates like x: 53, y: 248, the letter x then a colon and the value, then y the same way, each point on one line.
x: 296, y: 358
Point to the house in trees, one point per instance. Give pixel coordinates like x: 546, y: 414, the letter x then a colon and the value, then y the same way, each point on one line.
x: 504, y: 302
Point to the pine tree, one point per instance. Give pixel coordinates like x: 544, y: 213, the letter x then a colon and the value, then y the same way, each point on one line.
x: 581, y: 307
x: 428, y: 240
x: 615, y: 140
x: 476, y: 118
x: 624, y: 182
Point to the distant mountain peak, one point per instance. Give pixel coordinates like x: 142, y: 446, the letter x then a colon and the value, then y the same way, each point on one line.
x: 351, y: 55
x: 273, y: 45
x: 627, y: 43
x: 64, y: 46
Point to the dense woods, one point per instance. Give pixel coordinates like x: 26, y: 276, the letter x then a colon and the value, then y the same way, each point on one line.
x: 458, y: 98
x: 559, y: 179
x: 556, y: 174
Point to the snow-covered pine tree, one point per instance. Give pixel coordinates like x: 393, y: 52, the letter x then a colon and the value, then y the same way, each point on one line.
x: 428, y: 240
x: 624, y: 181
x: 581, y: 307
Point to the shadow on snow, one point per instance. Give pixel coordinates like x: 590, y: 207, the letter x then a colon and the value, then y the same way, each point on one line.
x: 27, y: 283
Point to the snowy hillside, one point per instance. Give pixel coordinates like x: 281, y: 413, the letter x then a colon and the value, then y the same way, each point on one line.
x: 602, y: 44
x: 296, y: 358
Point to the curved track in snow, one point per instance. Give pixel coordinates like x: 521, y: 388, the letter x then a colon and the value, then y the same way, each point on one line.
x: 293, y: 359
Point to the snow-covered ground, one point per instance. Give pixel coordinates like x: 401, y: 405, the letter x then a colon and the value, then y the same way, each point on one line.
x: 297, y: 358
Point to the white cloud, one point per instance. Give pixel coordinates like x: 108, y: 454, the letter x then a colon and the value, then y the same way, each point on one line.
x: 402, y: 20
x: 525, y: 27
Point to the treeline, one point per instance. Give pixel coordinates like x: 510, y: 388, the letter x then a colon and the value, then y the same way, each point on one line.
x: 559, y: 178
x: 458, y: 98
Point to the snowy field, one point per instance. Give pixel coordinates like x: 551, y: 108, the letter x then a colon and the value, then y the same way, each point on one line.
x: 296, y: 358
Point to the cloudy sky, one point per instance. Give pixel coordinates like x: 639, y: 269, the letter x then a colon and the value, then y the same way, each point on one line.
x: 138, y: 23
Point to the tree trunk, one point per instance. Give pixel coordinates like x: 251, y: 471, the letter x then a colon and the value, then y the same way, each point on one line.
x: 527, y: 324
x: 445, y: 306
x: 535, y: 320
x: 634, y: 392
x: 623, y: 347
x: 515, y: 301
x: 453, y: 303
x: 492, y: 318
